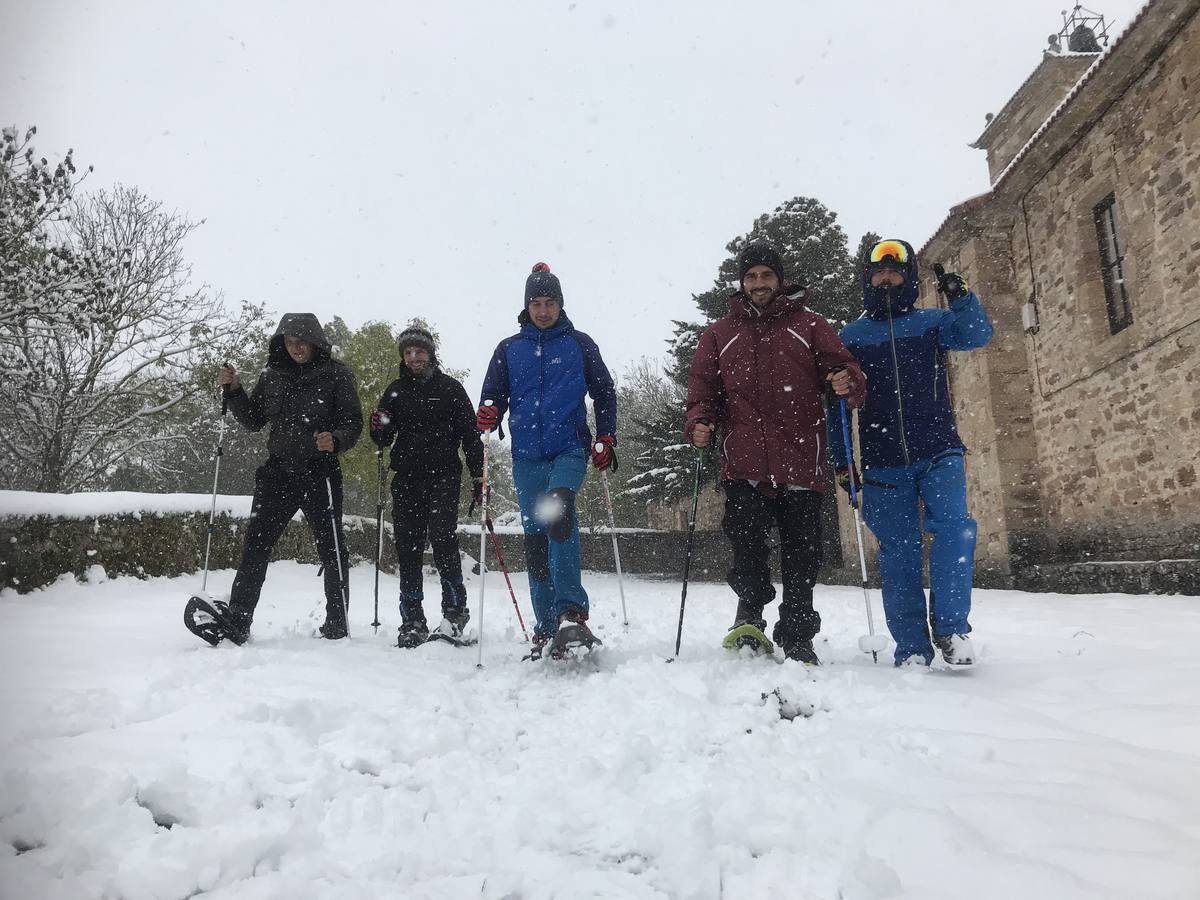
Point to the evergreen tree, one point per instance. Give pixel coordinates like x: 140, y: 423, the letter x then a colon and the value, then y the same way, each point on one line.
x: 813, y: 248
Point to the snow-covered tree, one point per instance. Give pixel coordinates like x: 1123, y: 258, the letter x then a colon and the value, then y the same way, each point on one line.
x: 78, y: 400
x: 660, y: 465
x: 813, y: 248
x: 43, y: 279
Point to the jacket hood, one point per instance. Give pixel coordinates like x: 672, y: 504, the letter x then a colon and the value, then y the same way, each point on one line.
x: 305, y: 326
x: 877, y: 301
x: 788, y: 298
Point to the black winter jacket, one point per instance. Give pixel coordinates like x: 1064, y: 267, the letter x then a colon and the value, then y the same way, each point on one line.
x: 300, y: 400
x: 430, y: 419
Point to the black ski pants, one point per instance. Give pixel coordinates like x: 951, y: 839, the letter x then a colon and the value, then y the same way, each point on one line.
x: 426, y: 508
x: 280, y: 490
x: 749, y: 517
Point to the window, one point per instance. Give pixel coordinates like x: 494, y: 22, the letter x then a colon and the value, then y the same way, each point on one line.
x: 1120, y: 313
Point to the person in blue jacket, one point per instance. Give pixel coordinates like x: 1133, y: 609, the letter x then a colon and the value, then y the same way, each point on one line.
x: 911, y: 452
x: 540, y: 376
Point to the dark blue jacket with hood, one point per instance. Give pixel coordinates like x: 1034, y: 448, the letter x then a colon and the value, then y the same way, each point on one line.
x: 902, y: 350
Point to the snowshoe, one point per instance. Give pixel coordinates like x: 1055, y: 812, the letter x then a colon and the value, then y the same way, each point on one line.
x: 213, y: 621
x: 749, y: 635
x: 956, y: 649
x: 452, y: 630
x: 412, y: 633
x: 573, y: 634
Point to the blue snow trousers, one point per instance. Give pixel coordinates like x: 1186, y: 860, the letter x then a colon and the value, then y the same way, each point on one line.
x: 892, y: 499
x: 552, y: 566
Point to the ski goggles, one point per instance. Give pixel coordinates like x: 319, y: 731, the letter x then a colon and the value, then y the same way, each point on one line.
x: 888, y: 252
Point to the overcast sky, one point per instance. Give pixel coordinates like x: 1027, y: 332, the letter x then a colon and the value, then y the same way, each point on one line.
x: 384, y: 160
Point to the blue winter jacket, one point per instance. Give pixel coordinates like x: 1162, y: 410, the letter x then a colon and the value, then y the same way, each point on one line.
x: 540, y: 377
x: 901, y: 424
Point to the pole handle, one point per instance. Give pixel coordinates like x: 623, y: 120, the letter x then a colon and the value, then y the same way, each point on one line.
x: 849, y: 446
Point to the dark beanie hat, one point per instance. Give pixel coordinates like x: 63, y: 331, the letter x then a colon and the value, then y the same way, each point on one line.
x: 759, y: 255
x: 542, y: 283
x: 415, y: 336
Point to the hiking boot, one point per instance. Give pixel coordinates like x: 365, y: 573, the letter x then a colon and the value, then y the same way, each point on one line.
x: 801, y: 651
x: 538, y: 646
x: 334, y: 628
x: 748, y: 616
x: 956, y: 649
x: 412, y: 633
x: 572, y: 614
x: 235, y: 624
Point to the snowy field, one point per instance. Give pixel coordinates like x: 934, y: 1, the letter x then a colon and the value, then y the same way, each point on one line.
x: 139, y: 763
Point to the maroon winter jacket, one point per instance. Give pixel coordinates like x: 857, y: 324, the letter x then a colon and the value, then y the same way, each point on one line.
x: 760, y: 376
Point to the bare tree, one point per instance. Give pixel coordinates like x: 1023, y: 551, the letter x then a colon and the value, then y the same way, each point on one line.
x: 76, y: 401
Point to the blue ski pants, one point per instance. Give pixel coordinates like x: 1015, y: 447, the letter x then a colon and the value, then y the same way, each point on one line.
x: 892, y: 498
x: 552, y: 566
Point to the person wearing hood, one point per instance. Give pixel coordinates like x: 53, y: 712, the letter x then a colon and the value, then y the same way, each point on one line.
x: 310, y: 400
x: 540, y: 376
x: 426, y: 416
x: 911, y: 453
x: 759, y: 376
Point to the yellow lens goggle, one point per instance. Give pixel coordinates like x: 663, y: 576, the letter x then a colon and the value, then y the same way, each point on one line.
x: 894, y: 249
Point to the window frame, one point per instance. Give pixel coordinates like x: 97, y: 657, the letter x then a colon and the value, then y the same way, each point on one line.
x: 1112, y: 265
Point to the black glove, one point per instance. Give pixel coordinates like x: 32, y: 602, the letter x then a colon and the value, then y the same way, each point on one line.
x: 951, y: 285
x: 843, y: 479
x: 476, y: 496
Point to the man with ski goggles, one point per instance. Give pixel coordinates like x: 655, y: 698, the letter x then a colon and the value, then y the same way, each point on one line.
x: 912, y: 455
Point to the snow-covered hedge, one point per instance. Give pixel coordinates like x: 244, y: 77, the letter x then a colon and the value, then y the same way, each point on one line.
x: 43, y: 536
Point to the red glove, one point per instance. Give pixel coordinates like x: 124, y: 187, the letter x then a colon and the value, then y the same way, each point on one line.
x: 380, y: 420
x: 604, y: 454
x: 487, y: 418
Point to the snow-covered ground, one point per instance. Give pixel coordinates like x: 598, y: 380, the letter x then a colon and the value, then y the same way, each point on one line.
x: 139, y: 763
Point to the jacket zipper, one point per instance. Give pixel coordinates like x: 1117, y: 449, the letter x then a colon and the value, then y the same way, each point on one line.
x: 541, y: 353
x: 935, y: 372
x: 899, y: 396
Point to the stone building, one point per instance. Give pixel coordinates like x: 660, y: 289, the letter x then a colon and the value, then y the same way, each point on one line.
x: 1083, y: 415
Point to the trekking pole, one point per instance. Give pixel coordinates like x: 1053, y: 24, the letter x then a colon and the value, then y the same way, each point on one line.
x: 612, y: 527
x: 483, y: 529
x: 378, y: 530
x: 687, y: 554
x: 869, y: 643
x: 504, y: 568
x: 212, y: 510
x: 337, y: 552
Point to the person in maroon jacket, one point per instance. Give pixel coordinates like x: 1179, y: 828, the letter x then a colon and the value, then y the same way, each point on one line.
x: 759, y: 376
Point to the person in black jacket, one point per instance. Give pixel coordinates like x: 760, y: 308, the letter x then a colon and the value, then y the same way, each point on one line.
x: 311, y: 403
x: 426, y: 416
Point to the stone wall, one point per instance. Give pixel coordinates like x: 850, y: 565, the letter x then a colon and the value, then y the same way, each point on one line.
x: 1117, y: 417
